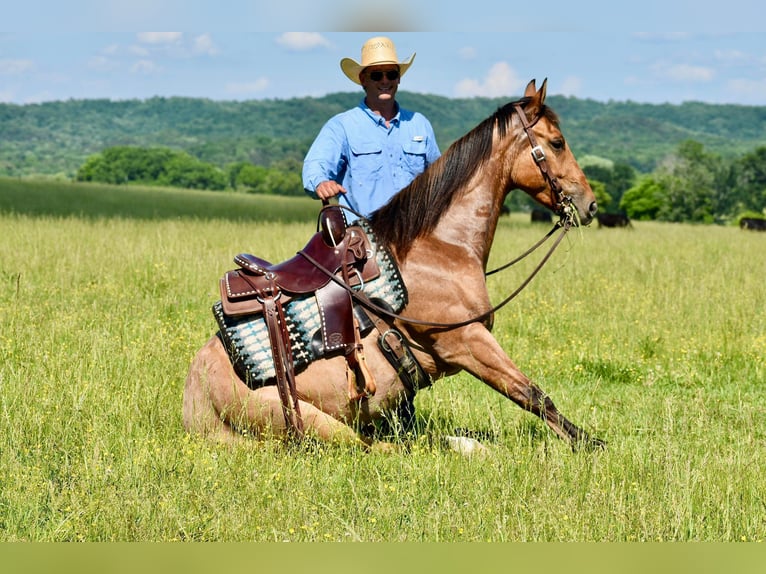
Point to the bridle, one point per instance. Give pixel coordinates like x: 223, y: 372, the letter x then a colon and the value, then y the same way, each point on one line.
x: 559, y: 201
x: 561, y: 206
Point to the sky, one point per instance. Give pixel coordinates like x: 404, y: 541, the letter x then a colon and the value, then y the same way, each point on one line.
x: 648, y: 52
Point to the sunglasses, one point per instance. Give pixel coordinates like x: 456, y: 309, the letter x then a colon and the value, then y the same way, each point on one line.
x: 391, y: 75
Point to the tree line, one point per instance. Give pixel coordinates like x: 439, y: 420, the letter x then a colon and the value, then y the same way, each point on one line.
x: 692, y: 184
x: 55, y: 138
x: 695, y: 185
x: 687, y: 162
x: 167, y: 167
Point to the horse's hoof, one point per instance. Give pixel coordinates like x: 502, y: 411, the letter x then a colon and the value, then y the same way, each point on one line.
x: 588, y: 443
x: 465, y: 445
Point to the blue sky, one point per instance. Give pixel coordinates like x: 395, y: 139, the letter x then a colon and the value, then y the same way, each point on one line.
x: 650, y: 51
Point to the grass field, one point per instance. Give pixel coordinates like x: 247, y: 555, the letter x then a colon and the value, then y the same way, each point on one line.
x: 652, y: 338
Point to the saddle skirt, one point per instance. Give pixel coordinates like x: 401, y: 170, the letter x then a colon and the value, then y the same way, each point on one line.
x: 243, y: 330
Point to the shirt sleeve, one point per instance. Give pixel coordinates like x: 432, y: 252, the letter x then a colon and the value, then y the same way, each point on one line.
x: 326, y: 158
x: 432, y: 151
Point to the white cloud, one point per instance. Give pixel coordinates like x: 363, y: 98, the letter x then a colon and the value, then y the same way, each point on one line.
x: 662, y: 36
x: 7, y: 96
x: 571, y: 86
x: 102, y: 64
x: 302, y: 41
x: 242, y: 89
x: 748, y: 90
x: 731, y: 58
x: 16, y: 67
x: 467, y: 53
x: 684, y: 72
x: 38, y: 98
x: 501, y: 80
x: 204, y: 44
x: 139, y: 51
x: 159, y: 37
x: 145, y: 67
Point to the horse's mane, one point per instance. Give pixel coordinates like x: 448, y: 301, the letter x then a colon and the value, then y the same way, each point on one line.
x: 416, y: 209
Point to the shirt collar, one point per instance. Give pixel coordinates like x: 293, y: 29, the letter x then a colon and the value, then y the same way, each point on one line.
x: 375, y: 117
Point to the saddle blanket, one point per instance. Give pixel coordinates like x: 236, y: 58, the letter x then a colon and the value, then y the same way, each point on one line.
x: 246, y: 338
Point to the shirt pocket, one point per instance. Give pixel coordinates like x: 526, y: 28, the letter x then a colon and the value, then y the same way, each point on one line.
x: 366, y: 161
x: 414, y: 153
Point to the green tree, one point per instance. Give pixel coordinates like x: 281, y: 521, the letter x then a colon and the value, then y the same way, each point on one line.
x: 603, y: 199
x: 749, y: 181
x: 646, y: 200
x: 616, y: 179
x: 697, y: 185
x: 185, y: 171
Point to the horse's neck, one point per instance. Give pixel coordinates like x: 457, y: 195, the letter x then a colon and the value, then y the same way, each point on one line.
x: 471, y: 221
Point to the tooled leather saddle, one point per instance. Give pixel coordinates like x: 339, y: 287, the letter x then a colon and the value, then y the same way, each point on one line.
x: 259, y: 287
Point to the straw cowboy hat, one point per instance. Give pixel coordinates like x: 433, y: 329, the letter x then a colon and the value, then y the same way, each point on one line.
x: 376, y: 51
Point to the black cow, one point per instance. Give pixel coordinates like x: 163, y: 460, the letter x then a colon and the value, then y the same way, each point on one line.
x: 613, y: 220
x: 541, y: 216
x: 754, y: 223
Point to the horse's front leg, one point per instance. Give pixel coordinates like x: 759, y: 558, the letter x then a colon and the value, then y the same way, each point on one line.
x: 479, y: 353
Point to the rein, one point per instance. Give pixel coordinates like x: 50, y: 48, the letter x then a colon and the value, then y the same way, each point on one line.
x: 565, y: 224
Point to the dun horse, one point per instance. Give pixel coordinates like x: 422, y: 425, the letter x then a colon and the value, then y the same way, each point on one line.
x: 439, y: 230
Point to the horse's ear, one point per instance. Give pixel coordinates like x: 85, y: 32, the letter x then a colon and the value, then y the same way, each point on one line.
x: 536, y: 99
x: 543, y: 90
x: 530, y: 89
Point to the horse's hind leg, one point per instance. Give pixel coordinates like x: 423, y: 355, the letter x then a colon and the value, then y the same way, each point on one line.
x: 260, y: 413
x: 219, y: 405
x: 199, y: 413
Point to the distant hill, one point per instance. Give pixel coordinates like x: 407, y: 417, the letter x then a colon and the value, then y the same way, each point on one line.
x: 55, y: 138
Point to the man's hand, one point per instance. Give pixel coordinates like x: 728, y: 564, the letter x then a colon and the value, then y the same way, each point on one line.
x: 328, y: 189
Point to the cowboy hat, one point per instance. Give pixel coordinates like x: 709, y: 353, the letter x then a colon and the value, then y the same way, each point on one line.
x: 376, y: 51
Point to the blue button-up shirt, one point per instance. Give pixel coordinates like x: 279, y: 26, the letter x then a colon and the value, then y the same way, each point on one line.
x: 373, y: 162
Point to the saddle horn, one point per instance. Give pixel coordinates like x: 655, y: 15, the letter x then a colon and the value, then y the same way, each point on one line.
x: 332, y: 224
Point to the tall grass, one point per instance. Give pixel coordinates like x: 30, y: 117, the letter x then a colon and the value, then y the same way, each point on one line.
x: 653, y: 339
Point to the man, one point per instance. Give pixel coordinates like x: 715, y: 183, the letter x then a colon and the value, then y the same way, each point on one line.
x: 367, y: 154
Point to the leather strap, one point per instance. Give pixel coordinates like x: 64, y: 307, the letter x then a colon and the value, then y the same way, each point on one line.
x: 557, y: 196
x: 282, y: 355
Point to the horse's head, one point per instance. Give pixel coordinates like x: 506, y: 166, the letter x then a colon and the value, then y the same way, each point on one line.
x: 550, y: 173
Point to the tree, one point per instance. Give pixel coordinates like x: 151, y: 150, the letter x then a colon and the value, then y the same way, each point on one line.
x: 152, y: 166
x: 603, y: 199
x: 749, y: 181
x: 646, y: 200
x: 185, y: 171
x: 698, y: 186
x: 616, y: 179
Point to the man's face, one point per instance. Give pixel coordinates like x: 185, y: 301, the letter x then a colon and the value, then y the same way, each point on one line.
x: 380, y: 82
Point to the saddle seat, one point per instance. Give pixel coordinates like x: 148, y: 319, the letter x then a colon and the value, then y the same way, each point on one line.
x: 241, y: 289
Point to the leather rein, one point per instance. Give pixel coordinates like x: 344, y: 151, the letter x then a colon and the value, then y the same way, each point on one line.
x: 562, y: 207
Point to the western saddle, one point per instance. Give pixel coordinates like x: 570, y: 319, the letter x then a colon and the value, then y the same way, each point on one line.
x: 336, y: 253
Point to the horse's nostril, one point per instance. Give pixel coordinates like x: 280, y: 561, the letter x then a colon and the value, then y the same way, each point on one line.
x: 593, y: 208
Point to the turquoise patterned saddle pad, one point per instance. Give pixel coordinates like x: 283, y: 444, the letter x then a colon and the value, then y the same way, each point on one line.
x: 246, y: 338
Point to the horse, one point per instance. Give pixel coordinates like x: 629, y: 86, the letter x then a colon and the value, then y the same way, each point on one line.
x: 613, y: 220
x: 541, y: 216
x: 439, y: 230
x: 753, y: 223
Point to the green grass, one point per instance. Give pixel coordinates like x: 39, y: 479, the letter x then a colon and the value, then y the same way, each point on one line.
x: 653, y: 339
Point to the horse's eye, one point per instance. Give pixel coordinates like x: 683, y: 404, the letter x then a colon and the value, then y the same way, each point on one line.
x: 558, y: 144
